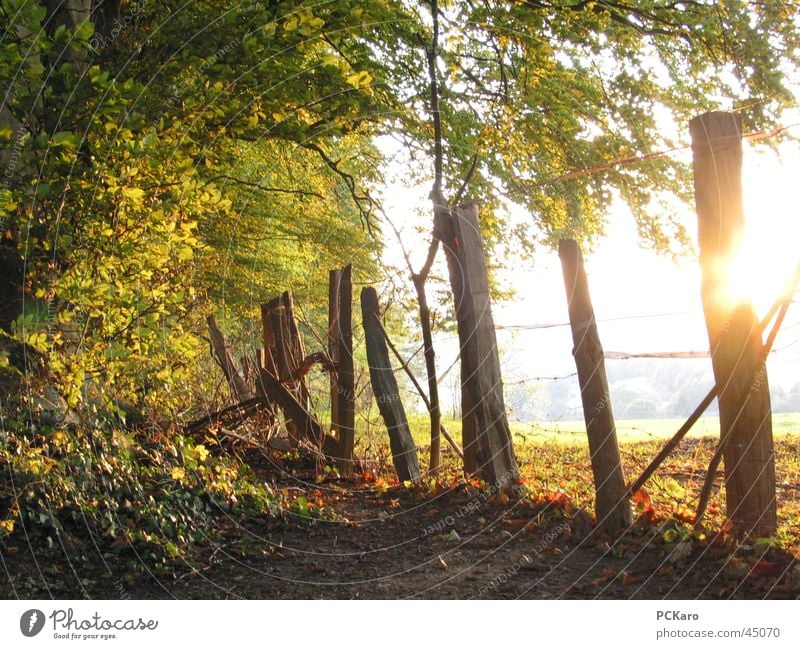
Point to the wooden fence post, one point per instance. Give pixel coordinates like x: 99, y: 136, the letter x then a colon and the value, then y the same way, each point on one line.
x: 387, y: 394
x: 333, y: 345
x: 733, y: 330
x: 340, y: 339
x: 488, y: 449
x: 283, y: 354
x: 263, y: 362
x: 611, y: 501
x: 238, y: 386
x: 294, y: 412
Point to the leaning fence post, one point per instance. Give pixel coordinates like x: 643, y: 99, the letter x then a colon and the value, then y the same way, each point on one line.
x: 488, y: 448
x: 387, y: 394
x: 613, y: 510
x: 238, y: 386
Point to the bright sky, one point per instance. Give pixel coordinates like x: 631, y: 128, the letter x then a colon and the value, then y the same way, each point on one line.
x: 626, y: 280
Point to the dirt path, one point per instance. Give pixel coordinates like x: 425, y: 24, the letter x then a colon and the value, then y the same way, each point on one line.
x: 396, y: 543
x: 399, y: 543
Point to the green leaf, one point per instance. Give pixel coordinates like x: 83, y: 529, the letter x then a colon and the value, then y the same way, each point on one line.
x: 66, y: 140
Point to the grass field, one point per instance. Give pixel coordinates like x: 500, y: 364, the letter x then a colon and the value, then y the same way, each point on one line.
x: 555, y: 455
x: 628, y: 430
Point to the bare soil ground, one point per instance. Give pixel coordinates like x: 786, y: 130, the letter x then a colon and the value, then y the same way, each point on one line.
x: 392, y: 542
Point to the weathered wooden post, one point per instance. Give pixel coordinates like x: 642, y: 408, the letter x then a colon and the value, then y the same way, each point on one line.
x: 238, y: 386
x: 270, y: 407
x: 340, y: 340
x: 733, y: 329
x: 284, y: 352
x: 611, y: 501
x: 295, y: 413
x: 488, y: 450
x: 333, y: 341
x: 387, y: 394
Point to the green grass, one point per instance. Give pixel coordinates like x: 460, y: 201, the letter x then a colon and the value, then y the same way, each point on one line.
x: 628, y: 430
x: 555, y: 456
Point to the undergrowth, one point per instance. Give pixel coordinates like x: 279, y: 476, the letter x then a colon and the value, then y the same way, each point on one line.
x: 149, y: 495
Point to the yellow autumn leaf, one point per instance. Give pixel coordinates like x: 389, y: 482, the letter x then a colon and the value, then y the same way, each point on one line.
x: 331, y: 61
x: 59, y: 439
x: 360, y: 79
x: 135, y: 194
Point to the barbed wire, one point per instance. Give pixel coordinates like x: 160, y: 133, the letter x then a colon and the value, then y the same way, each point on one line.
x: 552, y: 325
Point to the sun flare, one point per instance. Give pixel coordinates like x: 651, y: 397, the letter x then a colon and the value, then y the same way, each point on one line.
x: 759, y: 273
x: 767, y: 256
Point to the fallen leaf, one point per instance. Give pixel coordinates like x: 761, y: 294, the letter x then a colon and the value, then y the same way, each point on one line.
x: 608, y: 575
x: 644, y: 506
x: 517, y: 524
x: 642, y: 500
x: 558, y: 498
x: 767, y: 568
x: 684, y: 514
x: 499, y: 498
x: 440, y: 563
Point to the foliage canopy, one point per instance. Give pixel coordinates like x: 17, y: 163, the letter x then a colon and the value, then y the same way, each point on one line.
x: 163, y: 161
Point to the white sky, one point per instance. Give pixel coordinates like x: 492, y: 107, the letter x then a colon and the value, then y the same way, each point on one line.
x: 626, y: 280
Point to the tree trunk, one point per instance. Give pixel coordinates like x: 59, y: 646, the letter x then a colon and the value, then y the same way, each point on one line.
x: 733, y: 329
x: 487, y: 437
x: 235, y: 380
x: 430, y: 370
x: 387, y: 394
x: 611, y: 502
x: 340, y: 337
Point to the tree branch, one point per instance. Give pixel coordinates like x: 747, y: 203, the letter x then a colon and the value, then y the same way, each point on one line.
x: 465, y: 183
x: 350, y: 183
x: 255, y: 185
x: 432, y: 52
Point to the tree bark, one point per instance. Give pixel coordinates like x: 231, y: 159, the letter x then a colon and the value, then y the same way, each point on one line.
x: 733, y: 329
x: 487, y: 437
x: 430, y: 370
x: 340, y: 336
x: 284, y: 352
x: 611, y: 502
x: 238, y: 386
x: 294, y: 412
x: 387, y: 394
x: 333, y: 345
